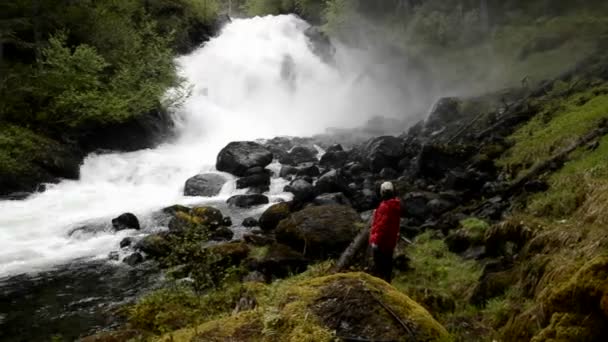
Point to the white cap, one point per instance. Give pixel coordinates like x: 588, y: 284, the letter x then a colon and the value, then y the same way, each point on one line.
x: 386, y: 186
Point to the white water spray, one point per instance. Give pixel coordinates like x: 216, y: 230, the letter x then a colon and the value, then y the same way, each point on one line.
x: 238, y: 94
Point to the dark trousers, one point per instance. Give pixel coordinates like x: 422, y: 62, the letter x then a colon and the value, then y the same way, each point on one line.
x: 382, y: 264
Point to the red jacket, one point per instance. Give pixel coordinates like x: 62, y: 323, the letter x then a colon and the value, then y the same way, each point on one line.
x: 385, y: 226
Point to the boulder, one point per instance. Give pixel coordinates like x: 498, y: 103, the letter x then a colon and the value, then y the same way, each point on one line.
x: 221, y: 234
x: 415, y: 205
x: 320, y: 231
x: 388, y: 173
x: 334, y: 148
x: 333, y: 198
x: 439, y: 206
x: 445, y: 111
x: 435, y: 160
x: 383, y: 152
x: 273, y: 215
x: 260, y: 180
x: 258, y: 240
x: 154, y: 245
x: 334, y: 159
x: 277, y: 261
x: 307, y: 170
x: 302, y: 190
x: 332, y: 181
x: 229, y: 254
x: 237, y: 157
x: 205, y: 185
x: 287, y: 170
x: 364, y: 200
x: 126, y: 242
x: 320, y: 44
x: 207, y: 218
x: 125, y: 221
x: 247, y: 201
x: 208, y: 215
x: 299, y: 155
x: 133, y: 259
x: 250, y: 222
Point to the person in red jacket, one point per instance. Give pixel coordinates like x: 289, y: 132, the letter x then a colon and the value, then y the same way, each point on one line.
x: 384, y: 233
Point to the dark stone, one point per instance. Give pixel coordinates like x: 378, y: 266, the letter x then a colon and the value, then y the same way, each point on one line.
x: 256, y: 170
x: 474, y: 253
x: 260, y: 180
x: 335, y: 148
x: 388, y: 173
x: 229, y: 254
x: 258, y: 240
x: 299, y: 155
x: 238, y: 157
x: 125, y: 221
x: 334, y: 160
x: 205, y: 185
x: 126, y: 242
x: 534, y: 186
x: 273, y: 215
x: 247, y: 201
x: 415, y: 204
x: 439, y: 206
x: 319, y: 231
x: 434, y: 161
x: 174, y: 209
x: 458, y: 241
x: 221, y: 234
x: 287, y: 170
x: 334, y: 198
x: 365, y: 199
x: 133, y: 259
x: 250, y: 222
x: 383, y: 152
x: 114, y: 256
x: 332, y: 181
x: 445, y: 111
x: 302, y: 190
x: 278, y: 262
x: 308, y: 170
x: 16, y: 196
x: 227, y: 221
x: 154, y: 245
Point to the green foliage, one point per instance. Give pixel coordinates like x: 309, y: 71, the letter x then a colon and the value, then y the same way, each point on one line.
x: 474, y: 228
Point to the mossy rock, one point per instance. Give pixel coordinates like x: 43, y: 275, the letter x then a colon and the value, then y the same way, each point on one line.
x: 320, y: 232
x: 208, y: 215
x: 273, y: 215
x: 231, y: 253
x: 276, y: 261
x: 322, y: 309
x: 471, y: 233
x: 568, y: 327
x: 114, y: 336
x: 155, y: 245
x: 183, y: 221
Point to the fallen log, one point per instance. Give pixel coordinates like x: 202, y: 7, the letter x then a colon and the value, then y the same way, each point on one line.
x: 347, y: 257
x: 558, y: 158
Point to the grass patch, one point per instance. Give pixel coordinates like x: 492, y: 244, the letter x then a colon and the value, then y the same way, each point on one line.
x: 562, y: 120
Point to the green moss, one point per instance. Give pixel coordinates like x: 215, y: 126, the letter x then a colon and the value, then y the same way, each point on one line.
x: 475, y: 229
x: 561, y: 122
x: 20, y: 148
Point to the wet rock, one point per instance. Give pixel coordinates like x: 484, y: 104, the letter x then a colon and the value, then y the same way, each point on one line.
x: 287, y: 170
x: 221, y: 234
x: 277, y: 261
x: 534, y: 186
x: 273, y: 215
x: 415, y: 204
x: 444, y: 112
x: 126, y: 242
x: 197, y: 218
x: 16, y: 196
x: 333, y: 198
x: 125, y: 221
x: 230, y: 253
x: 114, y: 256
x: 319, y: 231
x: 238, y: 157
x: 320, y: 44
x: 302, y: 190
x: 208, y: 215
x: 133, y: 259
x: 332, y: 181
x: 435, y: 160
x: 260, y: 180
x: 334, y: 159
x: 258, y: 240
x: 154, y: 245
x: 365, y: 199
x: 335, y: 148
x: 307, y: 170
x: 250, y: 222
x: 439, y: 206
x: 247, y: 201
x: 205, y: 185
x: 383, y: 152
x: 227, y: 221
x: 388, y: 173
x: 299, y: 155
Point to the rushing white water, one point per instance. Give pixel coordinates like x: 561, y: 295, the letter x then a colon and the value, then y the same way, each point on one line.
x: 238, y: 94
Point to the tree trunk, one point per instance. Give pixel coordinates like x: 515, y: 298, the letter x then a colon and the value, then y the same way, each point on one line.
x: 349, y: 254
